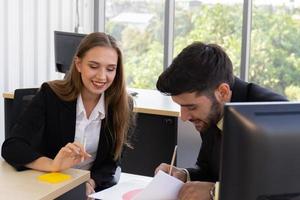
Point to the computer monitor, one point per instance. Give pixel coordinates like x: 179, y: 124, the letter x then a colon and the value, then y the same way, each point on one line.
x: 260, y: 157
x: 65, y: 45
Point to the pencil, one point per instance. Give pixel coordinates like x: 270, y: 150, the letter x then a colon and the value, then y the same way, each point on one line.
x: 84, y: 146
x: 84, y: 143
x: 173, y: 160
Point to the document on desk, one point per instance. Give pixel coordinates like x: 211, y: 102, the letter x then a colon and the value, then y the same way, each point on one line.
x: 162, y: 186
x: 127, y: 184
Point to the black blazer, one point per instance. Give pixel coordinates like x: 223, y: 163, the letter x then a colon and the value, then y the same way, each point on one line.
x: 208, y: 161
x: 46, y: 126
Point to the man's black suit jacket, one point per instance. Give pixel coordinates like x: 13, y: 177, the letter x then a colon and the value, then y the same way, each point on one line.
x: 46, y: 126
x: 208, y: 161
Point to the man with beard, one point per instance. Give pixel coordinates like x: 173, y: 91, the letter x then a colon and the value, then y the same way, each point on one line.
x: 200, y: 79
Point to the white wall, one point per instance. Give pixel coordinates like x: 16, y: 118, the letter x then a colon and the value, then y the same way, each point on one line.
x: 26, y: 40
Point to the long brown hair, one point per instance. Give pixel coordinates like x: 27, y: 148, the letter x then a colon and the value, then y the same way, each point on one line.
x: 116, y: 97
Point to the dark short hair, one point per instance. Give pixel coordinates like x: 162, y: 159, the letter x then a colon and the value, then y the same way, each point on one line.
x: 198, y: 68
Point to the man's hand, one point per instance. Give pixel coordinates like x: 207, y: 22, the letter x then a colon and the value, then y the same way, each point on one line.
x: 196, y: 190
x: 176, y: 172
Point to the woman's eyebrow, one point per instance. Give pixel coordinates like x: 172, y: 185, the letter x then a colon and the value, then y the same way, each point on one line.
x: 94, y: 62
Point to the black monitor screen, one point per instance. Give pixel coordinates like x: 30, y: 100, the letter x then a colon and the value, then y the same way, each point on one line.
x: 65, y: 45
x: 261, y: 151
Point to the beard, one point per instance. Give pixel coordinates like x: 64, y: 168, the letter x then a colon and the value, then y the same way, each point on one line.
x: 214, y: 116
x: 215, y: 113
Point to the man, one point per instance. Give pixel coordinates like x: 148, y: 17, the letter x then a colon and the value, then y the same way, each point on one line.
x: 200, y: 79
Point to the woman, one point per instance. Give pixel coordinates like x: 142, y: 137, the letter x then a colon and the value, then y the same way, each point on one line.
x: 81, y: 121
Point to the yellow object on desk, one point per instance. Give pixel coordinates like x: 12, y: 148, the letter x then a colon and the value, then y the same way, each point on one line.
x: 54, y: 177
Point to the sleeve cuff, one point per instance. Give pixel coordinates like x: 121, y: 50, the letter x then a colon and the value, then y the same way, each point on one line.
x: 188, y: 177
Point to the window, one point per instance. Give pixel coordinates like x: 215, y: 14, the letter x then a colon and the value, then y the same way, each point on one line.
x: 275, y: 46
x: 210, y: 21
x: 138, y: 24
x: 274, y: 49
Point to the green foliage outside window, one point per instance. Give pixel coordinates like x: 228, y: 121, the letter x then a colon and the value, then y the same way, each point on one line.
x: 275, y: 50
x: 275, y: 44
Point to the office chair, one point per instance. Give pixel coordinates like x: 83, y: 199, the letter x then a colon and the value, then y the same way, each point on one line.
x: 22, y: 97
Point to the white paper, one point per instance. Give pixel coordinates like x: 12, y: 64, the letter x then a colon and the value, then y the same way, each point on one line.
x: 163, y: 186
x: 127, y: 183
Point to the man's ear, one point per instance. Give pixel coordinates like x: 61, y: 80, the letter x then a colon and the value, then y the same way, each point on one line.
x: 77, y: 62
x: 223, y: 93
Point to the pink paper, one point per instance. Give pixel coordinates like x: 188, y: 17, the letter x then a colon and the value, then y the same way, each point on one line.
x: 129, y: 195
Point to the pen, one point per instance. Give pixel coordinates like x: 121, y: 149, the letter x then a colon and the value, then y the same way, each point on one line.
x: 84, y: 146
x: 173, y: 160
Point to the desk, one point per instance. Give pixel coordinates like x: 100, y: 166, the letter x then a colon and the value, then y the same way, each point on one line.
x: 25, y: 185
x: 155, y: 103
x: 155, y: 135
x: 146, y: 101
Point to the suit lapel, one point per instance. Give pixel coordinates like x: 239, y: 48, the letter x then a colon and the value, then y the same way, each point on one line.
x: 106, y: 144
x: 67, y: 121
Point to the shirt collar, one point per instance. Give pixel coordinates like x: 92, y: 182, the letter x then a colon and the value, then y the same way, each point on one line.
x: 79, y: 106
x: 102, y: 106
x: 220, y: 124
x: 98, y: 111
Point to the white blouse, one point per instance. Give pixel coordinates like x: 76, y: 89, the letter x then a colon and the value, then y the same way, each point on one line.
x: 89, y: 128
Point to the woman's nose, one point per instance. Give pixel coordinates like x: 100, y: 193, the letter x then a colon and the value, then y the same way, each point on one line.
x: 101, y: 74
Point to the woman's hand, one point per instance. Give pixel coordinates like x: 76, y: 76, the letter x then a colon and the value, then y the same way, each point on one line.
x: 68, y: 156
x: 90, y: 188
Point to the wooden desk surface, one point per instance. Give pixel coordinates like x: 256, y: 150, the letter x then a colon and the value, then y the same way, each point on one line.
x: 146, y: 101
x: 8, y: 95
x: 25, y: 185
x: 153, y: 102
